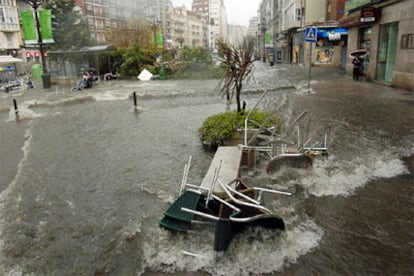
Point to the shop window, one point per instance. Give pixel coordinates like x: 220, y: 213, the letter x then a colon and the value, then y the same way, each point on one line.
x: 365, y: 43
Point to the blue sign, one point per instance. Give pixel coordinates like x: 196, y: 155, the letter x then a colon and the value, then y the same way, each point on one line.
x: 325, y: 32
x: 311, y: 34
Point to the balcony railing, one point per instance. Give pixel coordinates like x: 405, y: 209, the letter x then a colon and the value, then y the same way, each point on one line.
x: 9, y: 27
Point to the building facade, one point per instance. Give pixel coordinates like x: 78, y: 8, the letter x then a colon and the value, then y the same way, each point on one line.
x: 10, y: 36
x: 285, y: 22
x: 96, y: 12
x: 385, y: 28
x: 215, y: 11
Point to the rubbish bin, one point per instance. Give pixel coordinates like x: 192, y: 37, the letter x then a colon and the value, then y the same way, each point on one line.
x: 37, y: 71
x: 46, y: 81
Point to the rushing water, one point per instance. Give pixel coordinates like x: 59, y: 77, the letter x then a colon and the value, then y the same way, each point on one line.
x: 85, y: 178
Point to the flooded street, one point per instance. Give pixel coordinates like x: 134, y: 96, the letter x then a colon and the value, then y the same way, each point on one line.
x: 85, y: 179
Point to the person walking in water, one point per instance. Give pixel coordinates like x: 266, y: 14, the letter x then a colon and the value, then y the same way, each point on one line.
x: 357, y: 62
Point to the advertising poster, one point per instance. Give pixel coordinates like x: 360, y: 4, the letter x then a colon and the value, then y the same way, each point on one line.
x: 324, y: 55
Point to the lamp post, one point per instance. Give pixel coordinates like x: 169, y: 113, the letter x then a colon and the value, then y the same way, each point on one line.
x: 257, y: 48
x: 263, y: 28
x: 155, y: 25
x: 35, y: 4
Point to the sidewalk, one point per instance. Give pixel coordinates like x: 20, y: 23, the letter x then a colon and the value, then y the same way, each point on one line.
x: 326, y: 79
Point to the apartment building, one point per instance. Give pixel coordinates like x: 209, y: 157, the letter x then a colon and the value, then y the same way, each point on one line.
x: 178, y: 27
x: 216, y: 19
x: 335, y: 9
x: 10, y: 36
x: 195, y: 25
x: 95, y: 12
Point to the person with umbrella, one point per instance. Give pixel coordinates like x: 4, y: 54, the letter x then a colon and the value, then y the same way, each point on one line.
x: 357, y: 63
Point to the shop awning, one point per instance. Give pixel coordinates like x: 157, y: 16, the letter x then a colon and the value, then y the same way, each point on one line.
x: 9, y: 60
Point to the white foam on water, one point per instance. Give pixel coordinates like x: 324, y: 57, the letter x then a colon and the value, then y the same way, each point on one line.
x: 137, y: 109
x: 5, y: 195
x: 303, y: 88
x: 342, y: 178
x: 111, y: 96
x: 254, y: 251
x: 15, y: 271
x: 23, y: 113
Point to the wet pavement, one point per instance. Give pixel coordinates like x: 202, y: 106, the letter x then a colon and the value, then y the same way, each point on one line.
x: 85, y: 179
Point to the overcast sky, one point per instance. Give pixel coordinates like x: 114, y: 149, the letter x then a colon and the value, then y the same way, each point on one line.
x: 239, y: 12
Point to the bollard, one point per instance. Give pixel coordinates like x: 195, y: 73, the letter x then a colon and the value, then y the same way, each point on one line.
x: 135, y: 99
x: 16, y: 111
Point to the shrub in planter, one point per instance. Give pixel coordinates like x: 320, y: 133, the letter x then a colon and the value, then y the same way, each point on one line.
x: 220, y: 129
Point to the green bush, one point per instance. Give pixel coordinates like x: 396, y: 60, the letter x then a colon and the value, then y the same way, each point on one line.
x: 130, y: 61
x: 222, y: 128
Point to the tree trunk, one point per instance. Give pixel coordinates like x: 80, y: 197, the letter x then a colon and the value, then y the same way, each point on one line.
x: 238, y: 90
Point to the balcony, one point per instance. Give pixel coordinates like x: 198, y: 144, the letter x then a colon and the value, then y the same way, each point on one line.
x: 9, y: 27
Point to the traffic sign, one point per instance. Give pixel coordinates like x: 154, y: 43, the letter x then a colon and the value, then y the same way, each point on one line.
x: 311, y: 34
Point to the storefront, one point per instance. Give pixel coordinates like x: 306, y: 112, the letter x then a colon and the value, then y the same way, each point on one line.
x: 331, y: 45
x: 383, y: 28
x: 387, y: 50
x: 8, y: 68
x: 364, y: 42
x: 360, y: 22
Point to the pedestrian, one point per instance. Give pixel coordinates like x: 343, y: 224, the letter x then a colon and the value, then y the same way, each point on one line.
x: 82, y: 83
x: 357, y: 62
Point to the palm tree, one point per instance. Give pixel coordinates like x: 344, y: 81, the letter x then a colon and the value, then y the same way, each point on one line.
x: 238, y: 63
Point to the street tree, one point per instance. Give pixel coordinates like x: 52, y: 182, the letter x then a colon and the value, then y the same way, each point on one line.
x: 238, y: 64
x: 70, y: 28
x: 129, y: 33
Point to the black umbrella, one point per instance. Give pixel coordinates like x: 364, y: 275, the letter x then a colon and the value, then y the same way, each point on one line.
x: 359, y: 52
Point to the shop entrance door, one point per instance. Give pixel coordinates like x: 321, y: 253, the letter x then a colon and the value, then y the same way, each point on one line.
x: 387, y: 50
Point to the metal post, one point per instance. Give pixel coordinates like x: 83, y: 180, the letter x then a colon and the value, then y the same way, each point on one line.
x: 264, y: 43
x: 135, y: 99
x: 16, y: 110
x: 45, y: 76
x: 310, y: 64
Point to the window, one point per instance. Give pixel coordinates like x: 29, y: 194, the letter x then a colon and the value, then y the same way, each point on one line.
x: 9, y: 38
x: 2, y: 18
x: 407, y: 41
x: 297, y: 14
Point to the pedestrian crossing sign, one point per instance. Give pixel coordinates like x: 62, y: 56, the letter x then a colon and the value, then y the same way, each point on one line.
x: 310, y: 34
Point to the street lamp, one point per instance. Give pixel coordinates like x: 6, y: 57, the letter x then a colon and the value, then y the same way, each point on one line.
x: 155, y: 25
x: 263, y: 28
x: 35, y: 4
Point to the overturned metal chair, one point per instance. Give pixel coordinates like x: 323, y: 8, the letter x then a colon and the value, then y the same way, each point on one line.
x: 231, y: 206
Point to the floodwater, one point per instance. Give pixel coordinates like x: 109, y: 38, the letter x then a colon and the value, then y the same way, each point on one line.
x: 85, y: 178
